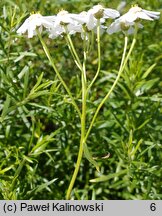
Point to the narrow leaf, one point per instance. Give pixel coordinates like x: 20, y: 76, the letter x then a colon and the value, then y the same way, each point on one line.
x: 148, y: 71
x: 6, y: 169
x: 90, y: 158
x: 108, y: 177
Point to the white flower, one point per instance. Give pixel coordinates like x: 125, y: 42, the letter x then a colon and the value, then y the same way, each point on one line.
x: 34, y: 21
x: 98, y: 11
x: 121, y: 24
x: 63, y: 19
x: 137, y: 12
x: 87, y: 19
x: 127, y: 21
x: 90, y: 17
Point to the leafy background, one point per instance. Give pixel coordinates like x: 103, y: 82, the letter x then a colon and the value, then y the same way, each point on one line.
x: 39, y: 129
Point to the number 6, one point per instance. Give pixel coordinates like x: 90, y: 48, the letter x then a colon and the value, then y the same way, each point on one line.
x: 153, y: 207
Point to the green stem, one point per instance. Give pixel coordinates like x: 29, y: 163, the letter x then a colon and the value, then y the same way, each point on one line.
x: 99, y: 55
x: 81, y: 147
x: 84, y: 63
x: 72, y: 53
x: 57, y: 73
x: 83, y: 130
x: 72, y: 50
x: 122, y: 66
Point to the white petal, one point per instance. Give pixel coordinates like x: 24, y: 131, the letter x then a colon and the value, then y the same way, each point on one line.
x: 80, y: 19
x: 142, y: 15
x: 66, y: 19
x: 91, y: 22
x: 72, y: 29
x: 130, y: 30
x: 130, y: 17
x: 46, y: 23
x: 56, y: 31
x: 114, y: 27
x: 50, y: 18
x: 31, y: 32
x: 96, y: 9
x: 111, y: 13
x: 37, y: 22
x: 32, y: 22
x: 152, y: 14
x: 23, y: 28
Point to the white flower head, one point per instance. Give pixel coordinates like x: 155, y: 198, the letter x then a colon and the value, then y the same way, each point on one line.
x: 128, y: 20
x: 99, y: 11
x: 84, y: 18
x: 34, y: 21
x: 139, y: 13
x: 64, y: 18
x: 122, y: 24
x: 89, y: 18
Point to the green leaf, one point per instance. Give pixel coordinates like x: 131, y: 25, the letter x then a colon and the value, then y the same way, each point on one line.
x: 23, y: 71
x: 42, y: 143
x: 42, y: 186
x: 144, y: 86
x: 146, y: 150
x: 108, y: 177
x: 6, y: 169
x: 148, y: 84
x: 28, y: 159
x: 39, y: 188
x: 24, y: 54
x: 37, y: 83
x: 5, y: 108
x: 137, y: 147
x: 90, y: 158
x: 37, y: 94
x: 49, y: 109
x: 143, y: 124
x: 148, y: 71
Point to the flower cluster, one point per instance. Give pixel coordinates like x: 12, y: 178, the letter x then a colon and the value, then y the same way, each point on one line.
x: 65, y: 22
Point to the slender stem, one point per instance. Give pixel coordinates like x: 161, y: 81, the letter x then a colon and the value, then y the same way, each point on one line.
x: 122, y: 66
x: 84, y: 62
x: 72, y: 53
x: 83, y: 130
x: 81, y: 147
x: 46, y: 50
x: 99, y: 55
x: 72, y: 49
